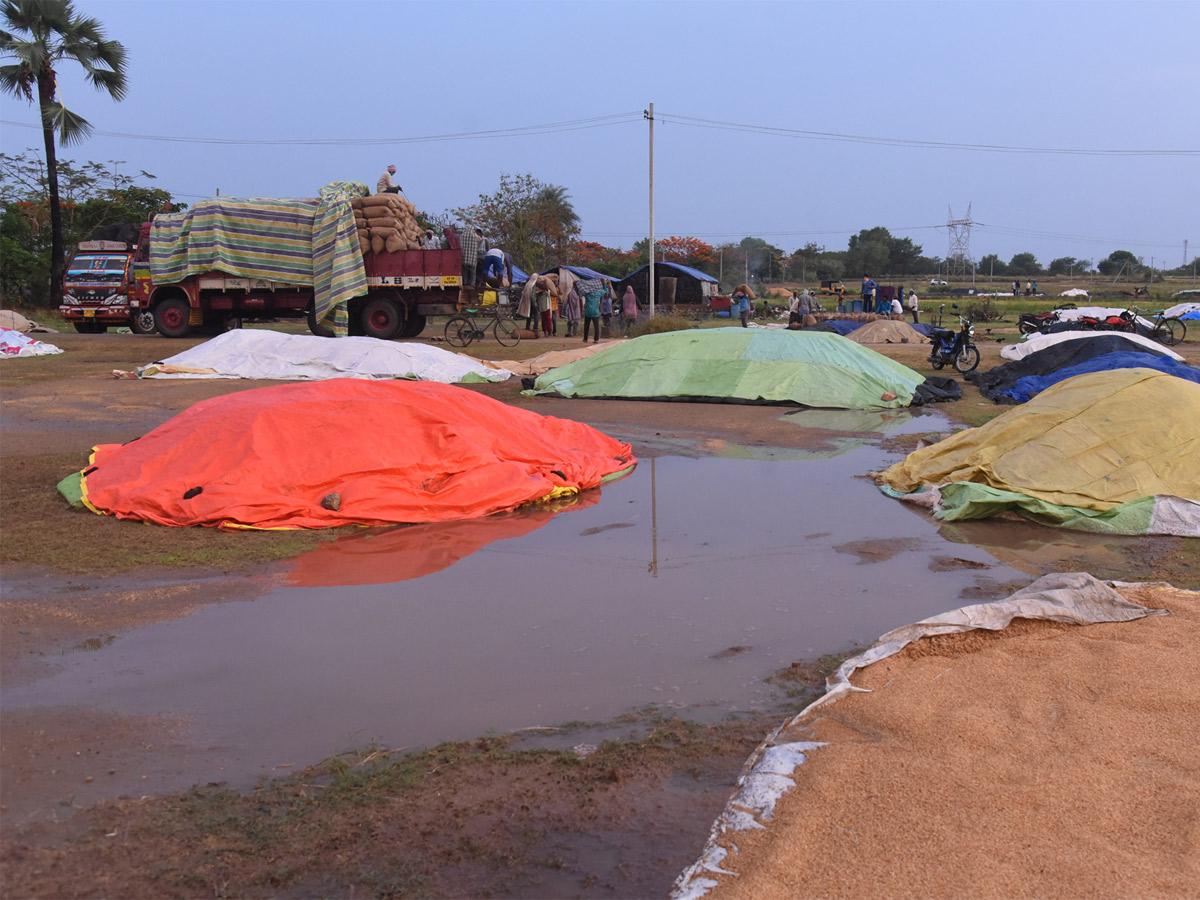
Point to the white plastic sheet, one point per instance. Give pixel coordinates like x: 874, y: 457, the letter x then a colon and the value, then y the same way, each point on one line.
x: 270, y: 355
x: 1036, y: 342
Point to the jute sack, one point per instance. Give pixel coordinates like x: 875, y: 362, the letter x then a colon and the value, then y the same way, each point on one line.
x: 394, y: 243
x: 356, y: 203
x: 384, y: 231
x: 382, y: 200
x: 379, y: 212
x: 364, y: 244
x: 377, y: 244
x: 413, y: 245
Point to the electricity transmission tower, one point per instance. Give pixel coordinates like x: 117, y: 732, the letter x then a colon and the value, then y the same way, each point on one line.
x: 958, y: 257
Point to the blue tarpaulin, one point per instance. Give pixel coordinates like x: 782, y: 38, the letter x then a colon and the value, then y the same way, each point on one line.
x: 1031, y: 385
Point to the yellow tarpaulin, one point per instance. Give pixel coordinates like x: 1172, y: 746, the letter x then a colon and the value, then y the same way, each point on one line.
x: 1093, y: 441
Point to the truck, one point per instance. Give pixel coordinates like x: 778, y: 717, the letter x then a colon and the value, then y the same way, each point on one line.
x: 403, y: 289
x: 97, y: 288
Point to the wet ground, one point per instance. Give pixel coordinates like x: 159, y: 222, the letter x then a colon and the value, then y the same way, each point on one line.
x: 684, y: 586
x: 748, y: 540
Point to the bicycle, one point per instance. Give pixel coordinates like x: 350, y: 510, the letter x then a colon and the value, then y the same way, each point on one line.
x: 462, y: 329
x: 1168, y: 330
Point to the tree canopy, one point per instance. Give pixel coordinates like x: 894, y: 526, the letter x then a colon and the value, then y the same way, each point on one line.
x: 52, y: 32
x: 533, y: 221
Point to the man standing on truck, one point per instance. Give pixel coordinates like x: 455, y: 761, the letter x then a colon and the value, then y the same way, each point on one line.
x: 386, y: 185
x: 468, y: 242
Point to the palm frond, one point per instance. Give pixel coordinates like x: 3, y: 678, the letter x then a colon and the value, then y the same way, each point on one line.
x: 17, y: 80
x: 107, y: 80
x: 87, y: 29
x: 70, y: 127
x: 30, y: 53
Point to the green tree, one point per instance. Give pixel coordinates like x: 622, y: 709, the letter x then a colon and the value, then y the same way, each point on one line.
x: 804, y: 259
x: 531, y: 220
x: 53, y: 32
x: 1120, y: 262
x: 992, y: 265
x: 878, y: 252
x: 1024, y: 264
x: 92, y: 194
x: 1069, y: 265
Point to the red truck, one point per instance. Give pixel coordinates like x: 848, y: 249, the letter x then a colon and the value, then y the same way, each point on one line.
x: 404, y: 288
x: 96, y: 289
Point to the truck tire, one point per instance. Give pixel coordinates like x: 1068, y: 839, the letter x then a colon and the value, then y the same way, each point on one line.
x: 317, y: 328
x: 142, y: 322
x: 413, y: 326
x: 381, y: 318
x: 171, y: 318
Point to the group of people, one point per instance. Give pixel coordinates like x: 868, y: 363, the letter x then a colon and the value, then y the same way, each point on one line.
x: 591, y: 301
x: 1030, y: 289
x: 873, y: 300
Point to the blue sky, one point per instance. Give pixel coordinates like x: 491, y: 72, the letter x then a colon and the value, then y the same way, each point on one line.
x: 1076, y: 76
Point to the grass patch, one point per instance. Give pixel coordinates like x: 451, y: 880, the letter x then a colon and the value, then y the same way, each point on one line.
x: 659, y: 325
x: 39, y: 528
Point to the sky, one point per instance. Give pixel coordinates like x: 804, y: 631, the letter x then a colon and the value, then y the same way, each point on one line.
x: 832, y: 113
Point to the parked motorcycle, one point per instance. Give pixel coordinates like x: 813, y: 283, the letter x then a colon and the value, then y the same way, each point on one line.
x: 1029, y: 323
x: 954, y: 347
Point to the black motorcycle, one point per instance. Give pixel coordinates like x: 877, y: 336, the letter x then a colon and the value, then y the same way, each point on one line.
x: 954, y: 347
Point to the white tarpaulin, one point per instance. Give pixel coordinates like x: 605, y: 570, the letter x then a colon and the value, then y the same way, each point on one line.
x: 251, y: 353
x: 15, y: 344
x: 1036, y: 342
x: 1075, y: 598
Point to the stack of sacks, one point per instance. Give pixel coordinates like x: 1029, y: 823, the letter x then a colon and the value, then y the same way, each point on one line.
x: 386, y: 222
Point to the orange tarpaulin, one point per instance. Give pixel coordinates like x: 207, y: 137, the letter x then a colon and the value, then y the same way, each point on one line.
x: 393, y: 452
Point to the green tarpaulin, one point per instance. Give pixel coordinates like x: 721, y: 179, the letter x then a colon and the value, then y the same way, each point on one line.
x: 739, y: 364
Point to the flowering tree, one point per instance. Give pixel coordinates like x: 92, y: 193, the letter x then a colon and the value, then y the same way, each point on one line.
x: 687, y: 251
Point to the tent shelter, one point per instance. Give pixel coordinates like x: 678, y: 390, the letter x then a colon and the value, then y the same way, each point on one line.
x: 691, y: 285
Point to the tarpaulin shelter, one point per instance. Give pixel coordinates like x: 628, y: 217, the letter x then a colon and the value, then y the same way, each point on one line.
x: 345, y: 452
x: 740, y: 365
x: 260, y: 354
x: 691, y: 285
x: 1115, y: 452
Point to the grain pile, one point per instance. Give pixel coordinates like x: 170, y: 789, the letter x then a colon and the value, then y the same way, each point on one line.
x: 386, y: 222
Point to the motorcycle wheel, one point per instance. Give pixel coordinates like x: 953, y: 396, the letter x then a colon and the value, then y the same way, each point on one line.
x: 967, y: 359
x: 1025, y: 326
x: 938, y: 363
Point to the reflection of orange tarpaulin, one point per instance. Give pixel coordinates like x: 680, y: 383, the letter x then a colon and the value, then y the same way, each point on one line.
x: 392, y: 451
x: 413, y: 551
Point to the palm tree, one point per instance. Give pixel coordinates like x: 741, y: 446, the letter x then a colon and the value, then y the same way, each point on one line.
x: 555, y: 216
x: 51, y: 32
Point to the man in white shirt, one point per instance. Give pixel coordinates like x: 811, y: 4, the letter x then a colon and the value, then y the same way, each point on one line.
x: 386, y: 185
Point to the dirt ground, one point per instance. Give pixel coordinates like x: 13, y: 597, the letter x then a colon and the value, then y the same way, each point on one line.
x: 486, y: 818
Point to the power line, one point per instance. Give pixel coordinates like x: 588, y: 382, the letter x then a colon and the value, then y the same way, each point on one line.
x: 519, y: 131
x: 903, y: 142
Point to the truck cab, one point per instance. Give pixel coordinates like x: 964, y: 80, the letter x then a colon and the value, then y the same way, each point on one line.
x: 96, y: 288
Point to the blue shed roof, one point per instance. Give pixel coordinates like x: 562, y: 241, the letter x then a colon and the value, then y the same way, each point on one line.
x: 695, y: 273
x: 581, y: 271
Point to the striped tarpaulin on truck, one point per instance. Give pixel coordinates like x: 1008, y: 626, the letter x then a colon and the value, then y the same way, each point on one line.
x: 292, y: 241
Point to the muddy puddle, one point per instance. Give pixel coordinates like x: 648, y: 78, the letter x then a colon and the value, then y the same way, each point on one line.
x: 683, y: 587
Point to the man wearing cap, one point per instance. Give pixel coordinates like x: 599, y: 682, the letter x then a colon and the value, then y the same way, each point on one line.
x: 386, y: 185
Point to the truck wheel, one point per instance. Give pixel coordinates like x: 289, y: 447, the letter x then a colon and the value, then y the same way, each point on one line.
x: 318, y: 328
x: 171, y: 318
x: 381, y: 319
x: 142, y: 322
x: 413, y: 326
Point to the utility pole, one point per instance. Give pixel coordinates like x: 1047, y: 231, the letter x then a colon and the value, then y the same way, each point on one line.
x: 649, y: 114
x: 721, y: 268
